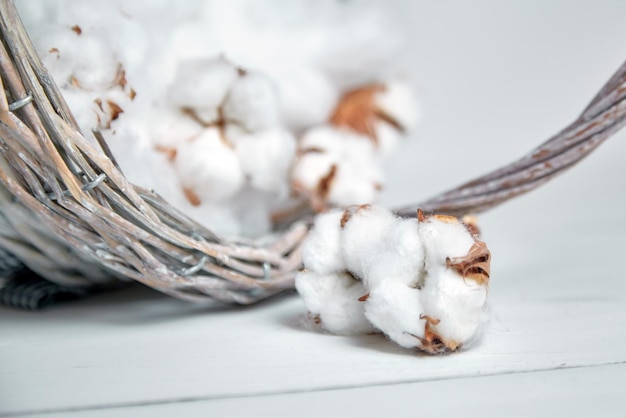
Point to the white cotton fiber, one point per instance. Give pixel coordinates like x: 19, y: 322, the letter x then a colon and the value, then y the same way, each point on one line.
x: 265, y: 158
x: 310, y: 172
x: 357, y: 176
x: 443, y: 237
x: 94, y: 64
x: 325, y: 138
x: 395, y: 309
x: 209, y: 167
x: 169, y: 129
x: 252, y: 103
x: 321, y: 251
x: 333, y: 299
x: 266, y: 69
x: 354, y: 184
x: 87, y: 117
x: 400, y: 256
x: 363, y: 237
x: 202, y: 85
x: 458, y: 304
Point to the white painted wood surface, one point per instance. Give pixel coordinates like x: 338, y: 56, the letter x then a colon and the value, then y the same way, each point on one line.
x: 496, y: 79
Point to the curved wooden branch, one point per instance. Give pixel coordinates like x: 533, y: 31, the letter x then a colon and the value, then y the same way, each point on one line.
x: 604, y: 116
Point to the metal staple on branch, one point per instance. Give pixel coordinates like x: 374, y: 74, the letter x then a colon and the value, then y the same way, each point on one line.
x: 69, y: 213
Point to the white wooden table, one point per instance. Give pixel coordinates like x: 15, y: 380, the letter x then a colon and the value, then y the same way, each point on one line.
x: 496, y: 78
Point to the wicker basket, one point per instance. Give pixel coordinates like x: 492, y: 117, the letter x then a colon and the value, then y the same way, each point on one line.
x: 70, y: 215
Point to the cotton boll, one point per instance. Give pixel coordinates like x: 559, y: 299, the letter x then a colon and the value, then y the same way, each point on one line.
x: 265, y: 158
x: 351, y: 187
x: 208, y: 167
x: 333, y: 299
x: 457, y: 305
x: 93, y: 62
x: 363, y: 237
x: 324, y: 137
x: 202, y: 85
x: 337, y: 168
x: 55, y: 45
x: 454, y: 291
x: 359, y: 177
x: 253, y: 102
x: 395, y: 308
x: 311, y: 176
x: 322, y: 249
x: 169, y: 129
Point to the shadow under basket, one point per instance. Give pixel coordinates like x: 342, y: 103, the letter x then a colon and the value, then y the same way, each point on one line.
x: 68, y: 213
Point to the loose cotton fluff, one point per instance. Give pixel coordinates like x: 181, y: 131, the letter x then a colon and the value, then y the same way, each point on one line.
x: 217, y: 105
x: 422, y: 282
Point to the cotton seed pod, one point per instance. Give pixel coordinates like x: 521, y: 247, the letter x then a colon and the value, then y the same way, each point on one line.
x: 252, y: 103
x: 332, y: 301
x: 454, y: 293
x: 208, y: 168
x: 200, y: 87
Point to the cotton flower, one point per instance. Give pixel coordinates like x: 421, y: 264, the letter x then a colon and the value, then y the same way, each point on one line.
x: 424, y: 280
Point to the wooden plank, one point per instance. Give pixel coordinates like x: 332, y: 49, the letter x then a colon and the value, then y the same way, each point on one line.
x: 116, y: 351
x: 578, y: 392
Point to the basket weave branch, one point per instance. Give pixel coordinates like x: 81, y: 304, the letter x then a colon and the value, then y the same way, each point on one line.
x: 68, y: 212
